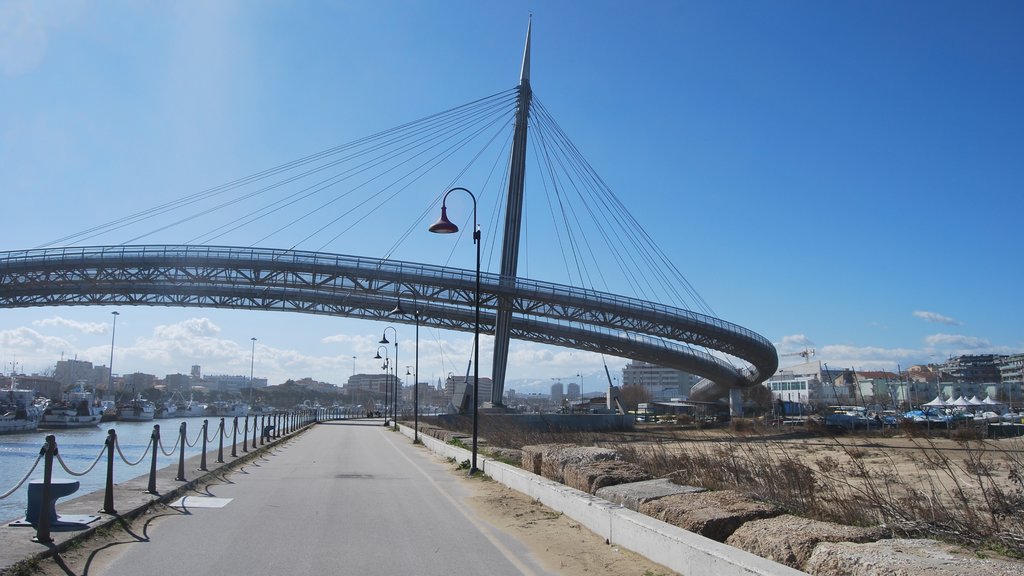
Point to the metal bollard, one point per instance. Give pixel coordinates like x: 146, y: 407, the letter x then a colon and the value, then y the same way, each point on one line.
x: 202, y: 458
x: 254, y: 432
x: 234, y: 438
x: 108, y: 491
x: 155, y: 437
x: 245, y: 436
x: 263, y: 427
x: 220, y: 445
x: 43, y: 527
x: 182, y: 439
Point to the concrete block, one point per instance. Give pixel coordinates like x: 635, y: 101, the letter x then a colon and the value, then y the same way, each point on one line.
x: 590, y: 476
x: 899, y: 557
x: 713, y: 514
x: 791, y: 539
x: 634, y: 494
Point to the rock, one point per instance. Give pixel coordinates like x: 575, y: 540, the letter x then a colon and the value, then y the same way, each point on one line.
x: 715, y: 515
x: 549, y: 460
x: 790, y: 539
x: 555, y: 461
x: 635, y: 494
x: 533, y: 456
x: 900, y: 557
x: 506, y: 454
x: 590, y: 476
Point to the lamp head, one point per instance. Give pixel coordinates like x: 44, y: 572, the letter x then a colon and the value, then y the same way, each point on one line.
x: 383, y: 340
x: 398, y: 311
x: 443, y: 224
x: 377, y: 357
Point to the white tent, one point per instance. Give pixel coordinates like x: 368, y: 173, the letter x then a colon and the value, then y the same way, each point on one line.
x: 988, y: 400
x: 974, y: 401
x: 962, y: 402
x: 938, y: 402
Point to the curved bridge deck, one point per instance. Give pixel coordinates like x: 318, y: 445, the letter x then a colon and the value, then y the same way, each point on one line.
x: 356, y: 287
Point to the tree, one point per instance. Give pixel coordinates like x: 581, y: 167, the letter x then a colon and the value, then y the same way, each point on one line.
x: 631, y: 395
x: 759, y: 396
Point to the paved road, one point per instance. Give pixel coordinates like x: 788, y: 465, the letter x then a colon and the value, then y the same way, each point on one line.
x: 343, y: 498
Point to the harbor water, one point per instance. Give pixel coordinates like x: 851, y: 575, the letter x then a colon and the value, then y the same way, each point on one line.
x: 80, y: 447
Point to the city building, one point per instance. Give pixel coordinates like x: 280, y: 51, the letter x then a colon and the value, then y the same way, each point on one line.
x: 659, y: 382
x: 973, y: 368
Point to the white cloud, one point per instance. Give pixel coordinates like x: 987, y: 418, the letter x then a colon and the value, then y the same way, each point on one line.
x: 794, y: 342
x: 25, y: 27
x: 936, y: 317
x: 957, y: 342
x: 83, y: 327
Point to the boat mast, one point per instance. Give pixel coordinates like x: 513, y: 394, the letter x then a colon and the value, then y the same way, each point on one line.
x: 513, y: 224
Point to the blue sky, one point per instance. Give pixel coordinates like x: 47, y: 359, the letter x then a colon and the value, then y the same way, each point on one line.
x: 843, y: 176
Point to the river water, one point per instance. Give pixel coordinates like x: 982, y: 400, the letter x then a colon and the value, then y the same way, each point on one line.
x: 80, y: 447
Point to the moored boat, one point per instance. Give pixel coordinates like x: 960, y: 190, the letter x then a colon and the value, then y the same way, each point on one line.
x: 77, y: 411
x: 136, y: 410
x: 18, y: 411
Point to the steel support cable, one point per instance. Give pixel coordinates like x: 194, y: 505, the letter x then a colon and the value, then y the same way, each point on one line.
x: 325, y: 184
x: 148, y: 213
x: 125, y: 458
x: 500, y: 199
x: 205, y: 212
x: 23, y: 478
x: 617, y: 206
x: 598, y: 216
x: 602, y: 230
x: 172, y: 450
x: 558, y: 234
x: 310, y: 191
x: 64, y: 464
x: 563, y: 208
x: 423, y: 167
x: 426, y: 210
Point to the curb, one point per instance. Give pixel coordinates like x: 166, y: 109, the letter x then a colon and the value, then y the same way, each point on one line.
x: 680, y: 550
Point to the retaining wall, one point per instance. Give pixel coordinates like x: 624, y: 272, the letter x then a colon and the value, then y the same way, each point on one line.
x: 673, y: 547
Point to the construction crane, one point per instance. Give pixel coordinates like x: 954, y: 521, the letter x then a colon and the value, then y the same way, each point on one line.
x: 806, y: 353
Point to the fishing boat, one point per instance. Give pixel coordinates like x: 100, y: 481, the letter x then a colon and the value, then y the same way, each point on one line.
x: 137, y: 409
x: 228, y: 409
x: 78, y: 410
x: 18, y: 410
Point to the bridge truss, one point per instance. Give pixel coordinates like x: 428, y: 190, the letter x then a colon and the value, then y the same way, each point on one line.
x: 355, y: 287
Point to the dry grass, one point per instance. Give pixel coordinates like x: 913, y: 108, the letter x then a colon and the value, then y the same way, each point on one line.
x: 965, y: 490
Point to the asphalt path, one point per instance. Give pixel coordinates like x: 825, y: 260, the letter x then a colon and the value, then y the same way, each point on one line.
x: 342, y: 498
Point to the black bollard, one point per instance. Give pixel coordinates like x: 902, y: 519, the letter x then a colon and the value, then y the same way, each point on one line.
x: 254, y: 427
x: 43, y: 527
x: 234, y: 438
x: 245, y: 436
x: 155, y: 437
x: 202, y: 457
x: 263, y: 427
x: 220, y: 445
x: 182, y: 439
x: 108, y: 491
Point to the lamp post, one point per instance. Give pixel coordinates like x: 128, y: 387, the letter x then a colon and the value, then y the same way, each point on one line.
x: 113, y: 332
x: 252, y: 364
x: 386, y: 383
x: 384, y: 340
x: 398, y: 311
x: 446, y: 226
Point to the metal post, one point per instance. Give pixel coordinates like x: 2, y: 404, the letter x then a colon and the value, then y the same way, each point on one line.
x: 155, y: 437
x: 263, y: 436
x: 43, y: 526
x: 108, y: 491
x: 254, y: 427
x: 245, y: 435
x: 416, y: 384
x: 220, y: 446
x: 182, y: 439
x: 202, y: 457
x: 234, y: 437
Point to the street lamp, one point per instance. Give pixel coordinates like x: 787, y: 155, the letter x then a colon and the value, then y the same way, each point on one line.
x: 387, y: 387
x: 252, y: 364
x: 398, y: 311
x: 446, y: 226
x: 384, y: 340
x: 113, y: 332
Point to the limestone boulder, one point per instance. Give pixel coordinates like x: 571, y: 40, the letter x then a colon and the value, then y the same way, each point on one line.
x: 790, y: 539
x: 715, y: 515
x: 903, y: 557
x: 506, y: 454
x: 550, y: 460
x: 533, y: 455
x: 592, y: 475
x: 636, y: 494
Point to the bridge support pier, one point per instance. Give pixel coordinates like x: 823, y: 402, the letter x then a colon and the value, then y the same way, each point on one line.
x: 736, y: 402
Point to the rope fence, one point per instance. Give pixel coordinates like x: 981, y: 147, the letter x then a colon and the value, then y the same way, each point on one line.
x: 273, y: 426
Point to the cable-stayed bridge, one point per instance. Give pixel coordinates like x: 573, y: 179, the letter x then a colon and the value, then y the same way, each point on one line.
x: 198, y: 274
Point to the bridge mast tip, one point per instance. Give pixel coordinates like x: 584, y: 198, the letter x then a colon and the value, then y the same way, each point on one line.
x: 524, y: 75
